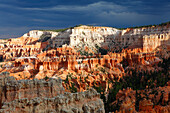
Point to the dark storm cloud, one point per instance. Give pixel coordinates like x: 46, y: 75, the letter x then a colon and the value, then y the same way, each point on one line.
x: 19, y: 16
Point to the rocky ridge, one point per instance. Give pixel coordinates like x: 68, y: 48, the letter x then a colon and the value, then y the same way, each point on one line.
x: 40, y: 96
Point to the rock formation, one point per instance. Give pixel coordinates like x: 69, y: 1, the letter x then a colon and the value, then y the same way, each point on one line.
x: 40, y: 96
x: 83, y: 57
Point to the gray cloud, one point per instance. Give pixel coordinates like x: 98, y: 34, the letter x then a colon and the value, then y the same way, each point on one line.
x: 11, y: 32
x: 90, y: 7
x: 15, y: 17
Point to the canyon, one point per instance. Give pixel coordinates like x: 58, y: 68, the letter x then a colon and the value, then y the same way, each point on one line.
x: 48, y: 71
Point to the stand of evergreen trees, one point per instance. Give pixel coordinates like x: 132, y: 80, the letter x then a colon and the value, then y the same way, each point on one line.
x: 162, y: 24
x: 136, y: 81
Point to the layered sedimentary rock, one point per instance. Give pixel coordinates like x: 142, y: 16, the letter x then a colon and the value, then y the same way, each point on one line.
x: 74, y: 56
x: 147, y: 39
x: 40, y: 96
x: 35, y: 33
x: 90, y: 36
x: 65, y: 60
x: 12, y: 89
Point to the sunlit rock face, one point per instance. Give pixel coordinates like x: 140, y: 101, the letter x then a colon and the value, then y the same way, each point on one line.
x: 79, y: 36
x: 35, y: 33
x: 147, y: 38
x: 90, y: 36
x: 28, y: 50
x: 38, y: 59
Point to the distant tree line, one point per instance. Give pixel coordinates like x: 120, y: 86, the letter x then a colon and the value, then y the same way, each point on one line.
x: 162, y: 24
x: 61, y: 30
x: 64, y: 29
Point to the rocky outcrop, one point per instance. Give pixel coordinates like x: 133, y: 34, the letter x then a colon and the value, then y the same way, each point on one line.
x: 90, y: 36
x: 147, y: 38
x: 13, y: 89
x: 35, y: 33
x: 84, y: 102
x: 40, y: 96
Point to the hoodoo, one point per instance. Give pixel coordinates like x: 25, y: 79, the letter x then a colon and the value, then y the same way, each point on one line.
x: 87, y: 69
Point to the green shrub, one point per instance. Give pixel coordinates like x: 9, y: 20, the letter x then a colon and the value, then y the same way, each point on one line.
x: 44, y: 37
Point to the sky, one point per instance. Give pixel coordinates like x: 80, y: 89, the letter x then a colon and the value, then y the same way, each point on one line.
x: 20, y: 16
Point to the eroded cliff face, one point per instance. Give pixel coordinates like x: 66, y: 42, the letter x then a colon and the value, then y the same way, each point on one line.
x: 35, y: 33
x: 147, y: 38
x: 63, y: 61
x: 91, y: 36
x: 74, y: 56
x: 40, y: 96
